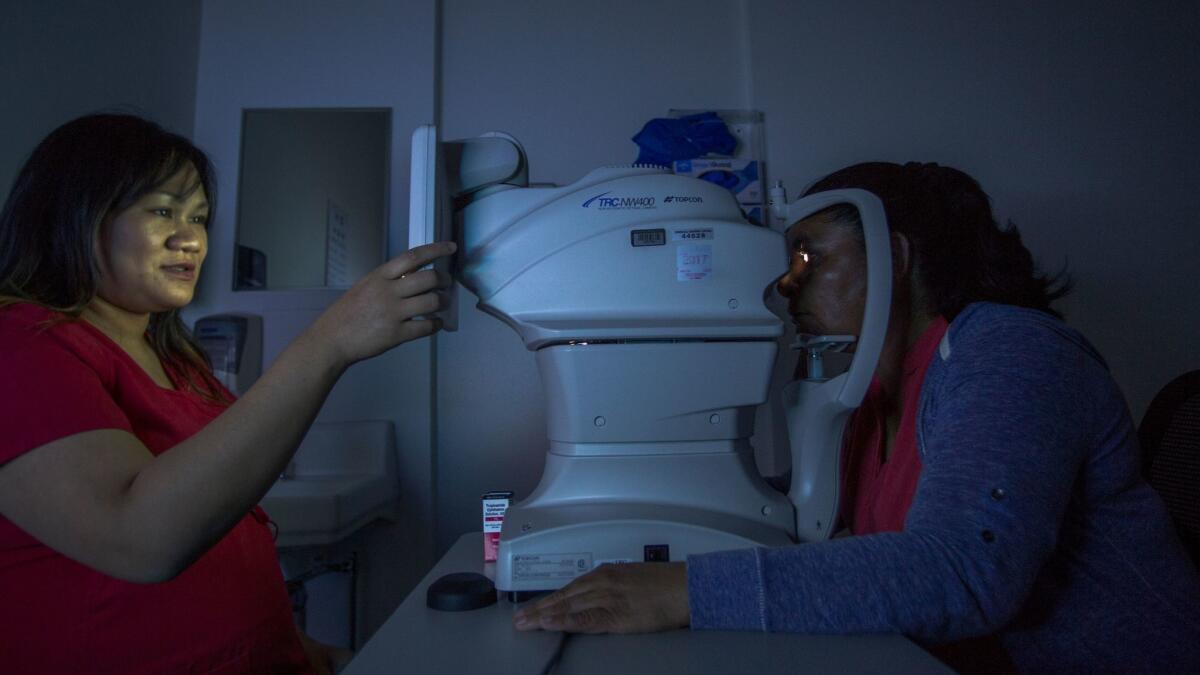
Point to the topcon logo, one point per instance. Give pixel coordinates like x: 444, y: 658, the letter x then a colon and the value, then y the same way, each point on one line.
x: 678, y: 199
x: 605, y: 203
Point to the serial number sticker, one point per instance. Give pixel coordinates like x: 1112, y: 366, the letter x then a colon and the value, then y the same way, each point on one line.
x: 546, y: 566
x: 693, y: 262
x: 692, y: 235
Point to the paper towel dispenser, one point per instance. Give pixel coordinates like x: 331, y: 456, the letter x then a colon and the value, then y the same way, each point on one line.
x: 233, y: 343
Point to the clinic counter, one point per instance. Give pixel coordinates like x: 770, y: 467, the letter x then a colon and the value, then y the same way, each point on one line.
x: 416, y: 639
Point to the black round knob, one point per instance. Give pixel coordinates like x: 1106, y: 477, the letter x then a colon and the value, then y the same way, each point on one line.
x: 460, y: 591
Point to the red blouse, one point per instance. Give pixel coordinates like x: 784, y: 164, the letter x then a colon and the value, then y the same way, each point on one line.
x: 226, y: 613
x: 876, y: 493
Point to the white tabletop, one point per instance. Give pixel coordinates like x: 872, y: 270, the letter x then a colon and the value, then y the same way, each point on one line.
x: 416, y: 639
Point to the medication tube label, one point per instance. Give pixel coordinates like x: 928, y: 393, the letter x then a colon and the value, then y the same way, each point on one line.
x: 494, y: 506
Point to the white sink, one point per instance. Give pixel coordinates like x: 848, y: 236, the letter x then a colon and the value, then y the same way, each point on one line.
x: 344, y: 476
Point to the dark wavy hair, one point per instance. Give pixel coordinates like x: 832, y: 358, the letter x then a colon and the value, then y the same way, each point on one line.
x: 961, y: 254
x: 81, y: 175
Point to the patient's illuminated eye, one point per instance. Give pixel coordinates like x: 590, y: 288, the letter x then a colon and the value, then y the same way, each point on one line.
x: 803, y: 259
x: 801, y: 254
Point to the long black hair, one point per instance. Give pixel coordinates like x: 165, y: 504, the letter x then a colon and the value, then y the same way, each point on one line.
x: 962, y: 255
x: 82, y: 174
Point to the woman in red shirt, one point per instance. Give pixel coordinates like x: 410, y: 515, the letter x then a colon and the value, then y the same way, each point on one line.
x: 130, y: 539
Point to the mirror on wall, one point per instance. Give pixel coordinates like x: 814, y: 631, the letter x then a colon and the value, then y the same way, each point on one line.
x: 312, y: 197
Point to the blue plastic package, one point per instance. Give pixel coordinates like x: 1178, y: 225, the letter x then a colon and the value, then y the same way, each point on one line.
x: 664, y: 140
x: 726, y: 179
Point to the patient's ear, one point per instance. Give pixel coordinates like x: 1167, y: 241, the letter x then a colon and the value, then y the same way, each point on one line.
x: 906, y: 278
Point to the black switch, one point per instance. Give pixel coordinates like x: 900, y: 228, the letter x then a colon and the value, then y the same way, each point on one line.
x: 657, y: 553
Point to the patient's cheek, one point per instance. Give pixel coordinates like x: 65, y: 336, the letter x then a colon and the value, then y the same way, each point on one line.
x: 840, y: 293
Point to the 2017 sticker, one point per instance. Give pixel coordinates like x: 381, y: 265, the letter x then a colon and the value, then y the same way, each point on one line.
x: 693, y: 262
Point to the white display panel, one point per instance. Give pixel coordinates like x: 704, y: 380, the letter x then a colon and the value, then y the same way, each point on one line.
x: 429, y: 217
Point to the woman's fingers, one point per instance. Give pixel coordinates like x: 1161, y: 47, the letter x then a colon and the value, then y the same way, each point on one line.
x: 631, y: 598
x: 579, y: 586
x: 414, y: 259
x: 418, y: 328
x: 414, y: 284
x: 389, y: 306
x: 585, y: 612
x: 419, y: 305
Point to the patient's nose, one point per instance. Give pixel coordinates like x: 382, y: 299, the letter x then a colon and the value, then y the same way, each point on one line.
x: 786, y: 285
